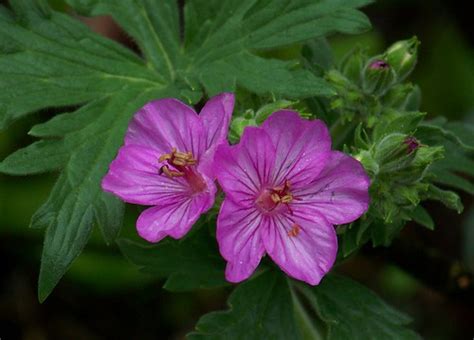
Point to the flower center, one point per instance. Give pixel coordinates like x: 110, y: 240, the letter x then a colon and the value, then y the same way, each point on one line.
x: 182, y: 164
x: 272, y: 198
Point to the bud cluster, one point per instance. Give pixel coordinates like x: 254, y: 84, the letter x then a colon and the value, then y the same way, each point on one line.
x: 366, y: 85
x: 256, y: 117
x: 380, y: 111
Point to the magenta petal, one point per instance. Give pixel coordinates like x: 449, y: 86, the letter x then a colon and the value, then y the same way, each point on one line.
x: 134, y: 177
x: 340, y: 193
x: 174, y: 219
x: 309, y: 253
x: 244, y: 169
x: 215, y: 116
x: 302, y: 146
x: 167, y: 123
x: 239, y: 239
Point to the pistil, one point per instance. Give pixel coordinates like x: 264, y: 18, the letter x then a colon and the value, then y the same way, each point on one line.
x: 270, y: 199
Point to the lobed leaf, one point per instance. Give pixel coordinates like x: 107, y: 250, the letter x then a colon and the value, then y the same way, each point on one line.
x: 50, y: 59
x: 421, y: 216
x: 190, y: 263
x: 351, y: 311
x: 270, y: 306
x: 259, y: 309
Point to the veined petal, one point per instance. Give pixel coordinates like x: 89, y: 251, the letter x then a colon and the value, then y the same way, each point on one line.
x: 302, y: 147
x: 239, y: 239
x: 340, y: 193
x: 134, y: 177
x: 165, y: 124
x: 304, y: 246
x: 244, y: 170
x: 215, y: 116
x: 173, y: 219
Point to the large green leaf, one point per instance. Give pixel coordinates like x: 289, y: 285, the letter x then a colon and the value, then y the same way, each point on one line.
x: 351, y: 311
x: 260, y: 309
x: 270, y: 306
x: 190, y: 263
x: 456, y: 169
x: 49, y: 59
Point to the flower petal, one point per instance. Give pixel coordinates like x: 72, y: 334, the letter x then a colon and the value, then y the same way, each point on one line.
x: 174, y: 219
x: 215, y: 116
x: 239, y: 239
x: 303, y: 245
x: 167, y: 123
x: 243, y: 170
x: 341, y: 191
x: 302, y: 146
x: 134, y: 177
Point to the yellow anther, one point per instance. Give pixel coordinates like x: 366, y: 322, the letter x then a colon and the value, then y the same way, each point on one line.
x: 294, y: 231
x: 182, y: 155
x: 178, y: 158
x: 178, y: 161
x: 170, y: 173
x: 279, y: 188
x: 165, y: 157
x: 287, y: 198
x: 275, y: 197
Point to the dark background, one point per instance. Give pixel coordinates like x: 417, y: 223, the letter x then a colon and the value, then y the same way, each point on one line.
x: 105, y: 297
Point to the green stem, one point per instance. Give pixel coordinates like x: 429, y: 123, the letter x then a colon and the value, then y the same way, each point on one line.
x: 307, y: 328
x: 339, y: 132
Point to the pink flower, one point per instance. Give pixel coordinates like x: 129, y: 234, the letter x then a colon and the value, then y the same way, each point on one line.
x: 166, y: 163
x: 285, y: 190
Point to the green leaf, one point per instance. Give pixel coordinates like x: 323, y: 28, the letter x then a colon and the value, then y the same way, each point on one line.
x: 439, y: 129
x: 351, y: 311
x: 270, y: 306
x: 354, y: 237
x: 383, y: 232
x: 318, y: 56
x: 190, y: 263
x: 421, y: 216
x: 458, y: 163
x: 398, y: 122
x: 49, y: 156
x: 77, y: 200
x: 50, y: 59
x: 449, y: 198
x: 260, y: 308
x: 154, y: 25
x: 455, y: 169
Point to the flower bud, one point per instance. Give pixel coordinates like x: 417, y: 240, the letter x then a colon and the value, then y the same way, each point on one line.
x: 402, y: 56
x: 353, y: 64
x: 378, y: 76
x: 238, y: 125
x: 338, y: 80
x: 412, y: 144
x: 395, y: 152
x: 413, y: 100
x: 368, y: 162
x: 396, y: 97
x: 265, y: 111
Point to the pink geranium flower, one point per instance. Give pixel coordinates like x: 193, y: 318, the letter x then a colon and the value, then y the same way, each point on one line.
x: 285, y: 190
x: 166, y: 163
